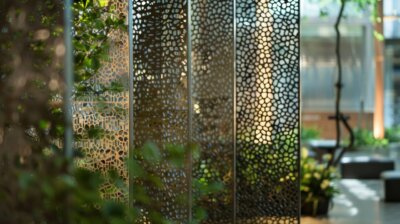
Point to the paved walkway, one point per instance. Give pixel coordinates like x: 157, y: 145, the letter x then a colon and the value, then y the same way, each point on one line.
x: 359, y: 203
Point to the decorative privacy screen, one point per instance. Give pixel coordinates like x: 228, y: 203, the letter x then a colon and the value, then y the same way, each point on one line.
x: 223, y: 74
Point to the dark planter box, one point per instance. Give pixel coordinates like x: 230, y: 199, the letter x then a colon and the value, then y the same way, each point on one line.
x: 391, y: 180
x: 365, y: 167
x: 321, y: 209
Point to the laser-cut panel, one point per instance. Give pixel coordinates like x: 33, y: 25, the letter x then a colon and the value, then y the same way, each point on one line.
x: 212, y: 40
x: 267, y: 111
x: 160, y: 100
x: 106, y: 112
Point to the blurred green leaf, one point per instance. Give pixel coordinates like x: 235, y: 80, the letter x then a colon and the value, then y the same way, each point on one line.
x: 176, y: 155
x: 44, y: 125
x: 25, y: 180
x: 95, y: 132
x: 199, y: 214
x: 151, y: 153
x: 378, y: 36
x: 113, y: 209
x: 323, y: 13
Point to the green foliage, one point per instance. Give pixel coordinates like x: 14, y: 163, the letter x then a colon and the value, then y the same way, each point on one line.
x: 317, y: 180
x: 392, y: 134
x: 308, y: 134
x: 93, y: 24
x: 48, y: 188
x: 364, y: 137
x: 379, y: 36
x: 93, y: 132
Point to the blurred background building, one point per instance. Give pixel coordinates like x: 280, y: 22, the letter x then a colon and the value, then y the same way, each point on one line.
x: 391, y: 26
x: 360, y: 45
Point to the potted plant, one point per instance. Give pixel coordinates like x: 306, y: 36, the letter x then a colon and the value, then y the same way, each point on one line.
x: 317, y: 185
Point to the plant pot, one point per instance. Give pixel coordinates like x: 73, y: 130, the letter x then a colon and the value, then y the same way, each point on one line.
x: 321, y: 207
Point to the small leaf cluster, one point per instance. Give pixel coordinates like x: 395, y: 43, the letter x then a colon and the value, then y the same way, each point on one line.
x: 392, y: 134
x: 94, y: 22
x: 308, y: 134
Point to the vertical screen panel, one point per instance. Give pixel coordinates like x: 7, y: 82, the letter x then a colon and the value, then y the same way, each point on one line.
x: 100, y: 116
x: 160, y: 108
x: 212, y: 40
x: 267, y: 111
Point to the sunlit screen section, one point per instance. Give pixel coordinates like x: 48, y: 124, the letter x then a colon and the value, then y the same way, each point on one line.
x: 160, y: 98
x: 267, y: 111
x: 212, y: 78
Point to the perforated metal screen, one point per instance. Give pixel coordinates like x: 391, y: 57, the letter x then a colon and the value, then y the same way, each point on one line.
x: 222, y: 74
x: 267, y: 111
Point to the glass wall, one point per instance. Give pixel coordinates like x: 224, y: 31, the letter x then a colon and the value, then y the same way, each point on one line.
x: 318, y: 59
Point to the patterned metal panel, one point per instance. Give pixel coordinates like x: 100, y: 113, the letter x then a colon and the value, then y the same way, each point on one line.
x: 160, y: 95
x: 107, y: 111
x: 237, y: 97
x: 212, y: 78
x: 267, y: 111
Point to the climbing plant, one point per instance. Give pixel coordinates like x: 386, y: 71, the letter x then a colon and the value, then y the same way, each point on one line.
x: 93, y: 23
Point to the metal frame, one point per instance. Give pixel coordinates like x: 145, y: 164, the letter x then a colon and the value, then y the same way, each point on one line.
x: 131, y: 134
x: 69, y: 79
x: 190, y: 107
x: 235, y: 206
